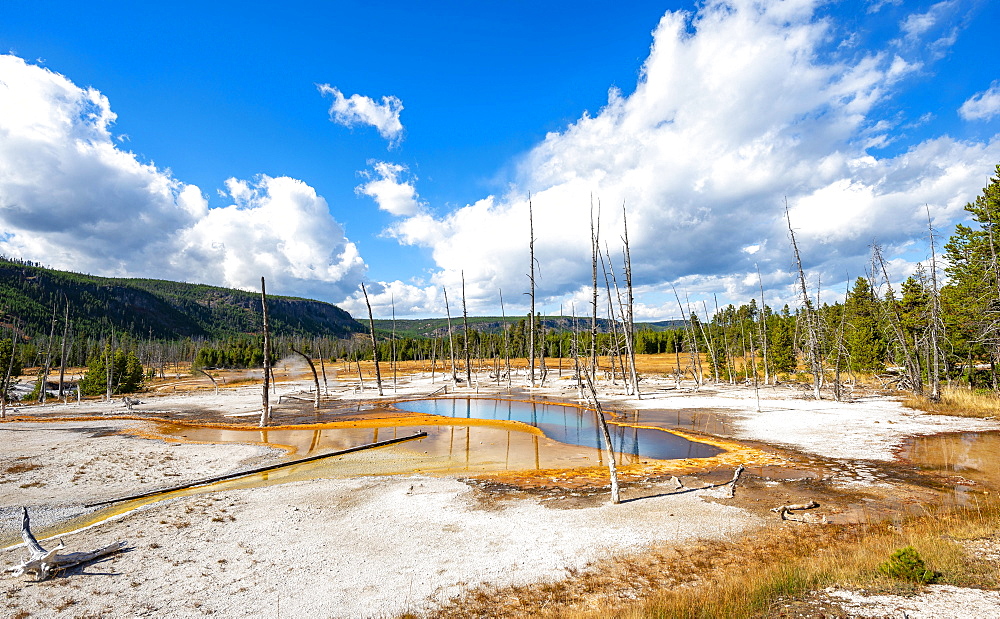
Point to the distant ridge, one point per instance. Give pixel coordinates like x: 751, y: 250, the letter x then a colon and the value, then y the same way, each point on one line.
x: 154, y: 308
x: 438, y: 327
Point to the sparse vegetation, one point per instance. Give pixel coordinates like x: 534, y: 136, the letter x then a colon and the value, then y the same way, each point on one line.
x: 961, y: 402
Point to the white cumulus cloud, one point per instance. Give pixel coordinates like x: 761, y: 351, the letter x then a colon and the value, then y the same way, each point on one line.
x: 71, y: 199
x: 982, y: 105
x: 738, y: 107
x: 389, y: 186
x: 361, y: 110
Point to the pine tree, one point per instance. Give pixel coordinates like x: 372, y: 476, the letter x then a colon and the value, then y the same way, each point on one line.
x: 866, y: 345
x: 971, y: 299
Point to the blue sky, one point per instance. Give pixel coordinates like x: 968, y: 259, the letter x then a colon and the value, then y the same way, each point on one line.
x: 224, y: 161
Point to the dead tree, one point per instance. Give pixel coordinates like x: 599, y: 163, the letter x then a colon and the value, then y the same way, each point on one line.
x: 506, y: 338
x: 465, y: 323
x: 763, y: 327
x: 211, y: 378
x: 312, y: 366
x: 599, y: 414
x: 371, y: 324
x: 44, y: 378
x: 531, y: 281
x: 6, y: 383
x: 594, y: 234
x: 46, y: 563
x: 265, y: 411
x: 633, y: 380
x: 709, y: 342
x: 395, y: 361
x: 630, y: 317
x: 451, y: 338
x: 813, y: 343
x: 911, y: 360
x: 322, y: 365
x: 837, y: 387
x: 62, y: 356
x: 934, y: 374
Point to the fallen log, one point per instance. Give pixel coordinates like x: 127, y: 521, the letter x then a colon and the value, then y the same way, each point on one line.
x: 786, y: 513
x: 46, y: 563
x: 262, y: 469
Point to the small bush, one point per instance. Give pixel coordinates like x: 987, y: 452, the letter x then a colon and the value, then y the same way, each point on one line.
x: 906, y: 564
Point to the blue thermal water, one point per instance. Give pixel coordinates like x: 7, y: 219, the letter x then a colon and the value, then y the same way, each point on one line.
x: 568, y: 425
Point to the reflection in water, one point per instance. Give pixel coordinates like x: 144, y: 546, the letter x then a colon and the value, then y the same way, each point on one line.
x: 970, y: 456
x: 571, y: 426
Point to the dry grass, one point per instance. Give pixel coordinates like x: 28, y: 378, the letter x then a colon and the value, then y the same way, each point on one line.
x: 772, y: 571
x: 958, y: 402
x: 749, y: 577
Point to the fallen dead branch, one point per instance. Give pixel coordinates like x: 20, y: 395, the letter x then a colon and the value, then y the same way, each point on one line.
x: 261, y: 469
x: 46, y: 563
x: 786, y: 513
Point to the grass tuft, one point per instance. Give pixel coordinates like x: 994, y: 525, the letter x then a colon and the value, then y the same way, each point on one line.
x: 959, y: 402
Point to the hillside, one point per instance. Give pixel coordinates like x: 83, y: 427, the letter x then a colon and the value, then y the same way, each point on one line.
x: 437, y: 327
x: 155, y: 308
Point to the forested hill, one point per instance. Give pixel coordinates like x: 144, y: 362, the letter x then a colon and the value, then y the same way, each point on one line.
x: 154, y: 308
x: 438, y: 327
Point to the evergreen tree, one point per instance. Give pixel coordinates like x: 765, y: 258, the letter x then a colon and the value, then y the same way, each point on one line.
x: 971, y: 300
x: 780, y: 343
x: 866, y: 345
x: 126, y: 373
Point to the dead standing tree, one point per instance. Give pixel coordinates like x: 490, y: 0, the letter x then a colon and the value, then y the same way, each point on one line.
x: 630, y: 298
x: 5, y: 384
x: 451, y: 338
x: 603, y: 423
x: 371, y: 325
x: 465, y: 324
x: 594, y: 234
x: 265, y: 411
x: 312, y: 366
x: 63, y: 351
x: 531, y: 281
x: 807, y: 315
x: 934, y: 374
x: 911, y: 360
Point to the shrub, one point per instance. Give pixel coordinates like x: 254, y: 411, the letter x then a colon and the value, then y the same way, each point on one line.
x: 906, y: 564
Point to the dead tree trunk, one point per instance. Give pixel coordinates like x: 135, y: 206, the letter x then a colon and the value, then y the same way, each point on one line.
x: 465, y: 323
x: 594, y: 234
x: 811, y: 329
x: 631, y: 304
x: 911, y: 360
x: 46, y: 563
x: 763, y: 328
x: 265, y: 411
x: 599, y: 413
x: 48, y: 360
x: 633, y: 380
x: 322, y: 365
x: 837, y: 387
x: 934, y: 375
x: 5, y: 383
x: 706, y: 332
x: 371, y: 325
x: 211, y: 378
x: 506, y: 339
x: 312, y: 366
x: 62, y: 356
x: 395, y: 361
x: 531, y: 281
x: 451, y: 338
